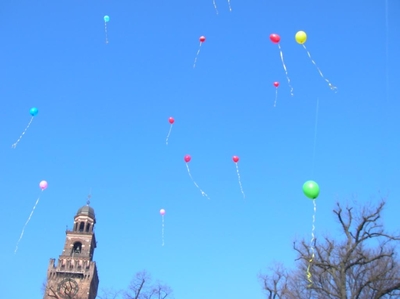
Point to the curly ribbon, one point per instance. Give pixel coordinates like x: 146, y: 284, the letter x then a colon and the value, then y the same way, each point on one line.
x: 190, y: 175
x: 285, y: 69
x: 169, y: 133
x: 309, y: 276
x: 215, y: 6
x: 276, y: 96
x: 240, y: 183
x: 162, y: 230
x: 26, y: 223
x: 23, y: 133
x: 197, y: 55
x: 334, y: 88
x: 105, y: 31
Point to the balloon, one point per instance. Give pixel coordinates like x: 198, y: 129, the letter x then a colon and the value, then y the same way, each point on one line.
x: 171, y: 120
x: 187, y: 158
x: 311, y: 189
x: 235, y: 159
x: 34, y: 111
x: 301, y: 37
x: 275, y: 38
x: 276, y: 84
x: 106, y: 19
x: 162, y: 212
x: 202, y: 39
x: 43, y: 185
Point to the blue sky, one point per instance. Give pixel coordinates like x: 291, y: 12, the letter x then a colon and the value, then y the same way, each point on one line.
x: 103, y: 120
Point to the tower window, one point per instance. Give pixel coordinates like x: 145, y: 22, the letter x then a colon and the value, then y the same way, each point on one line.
x: 77, y: 248
x: 81, y: 226
x: 87, y: 227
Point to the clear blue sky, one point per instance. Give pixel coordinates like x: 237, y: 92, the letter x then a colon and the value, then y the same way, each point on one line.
x: 103, y: 120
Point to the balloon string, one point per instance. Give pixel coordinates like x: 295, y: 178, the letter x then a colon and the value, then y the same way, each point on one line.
x: 276, y: 96
x: 23, y: 133
x: 105, y: 31
x: 162, y: 230
x: 197, y: 54
x: 327, y: 81
x: 169, y: 133
x: 229, y: 3
x: 286, y: 72
x: 215, y: 6
x: 315, y: 136
x: 240, y: 183
x: 190, y: 175
x: 26, y: 223
x: 309, y: 276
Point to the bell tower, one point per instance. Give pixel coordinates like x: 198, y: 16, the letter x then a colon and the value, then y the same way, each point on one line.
x: 75, y: 274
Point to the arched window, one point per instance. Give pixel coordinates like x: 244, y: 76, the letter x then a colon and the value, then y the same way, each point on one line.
x: 76, y: 226
x: 76, y: 250
x: 81, y: 226
x: 88, y: 227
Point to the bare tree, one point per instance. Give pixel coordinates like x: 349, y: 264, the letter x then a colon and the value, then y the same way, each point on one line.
x: 141, y: 287
x: 52, y: 293
x: 363, y: 265
x: 49, y: 291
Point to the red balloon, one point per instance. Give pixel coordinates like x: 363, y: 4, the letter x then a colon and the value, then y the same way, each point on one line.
x: 187, y: 158
x: 235, y: 159
x: 202, y: 39
x: 171, y: 120
x: 276, y: 84
x: 275, y: 38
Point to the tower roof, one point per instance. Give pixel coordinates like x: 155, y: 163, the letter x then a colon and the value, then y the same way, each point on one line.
x: 86, y: 211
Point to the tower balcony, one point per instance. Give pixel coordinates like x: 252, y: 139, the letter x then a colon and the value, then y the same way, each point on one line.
x: 78, y: 268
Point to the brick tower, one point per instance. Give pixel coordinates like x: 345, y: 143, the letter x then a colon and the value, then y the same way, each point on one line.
x: 75, y: 275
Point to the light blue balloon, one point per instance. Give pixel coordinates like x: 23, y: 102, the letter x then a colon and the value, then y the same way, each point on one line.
x: 106, y: 19
x: 34, y: 111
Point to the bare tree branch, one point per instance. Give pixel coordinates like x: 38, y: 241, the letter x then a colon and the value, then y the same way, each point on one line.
x: 352, y: 268
x: 141, y: 287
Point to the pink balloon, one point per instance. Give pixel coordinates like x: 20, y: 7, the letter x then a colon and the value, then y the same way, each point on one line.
x: 162, y: 212
x: 171, y: 120
x: 276, y: 84
x: 202, y: 39
x: 235, y: 159
x: 43, y: 185
x: 187, y: 158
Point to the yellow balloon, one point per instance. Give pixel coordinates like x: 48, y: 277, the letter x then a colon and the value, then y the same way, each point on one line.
x: 301, y: 37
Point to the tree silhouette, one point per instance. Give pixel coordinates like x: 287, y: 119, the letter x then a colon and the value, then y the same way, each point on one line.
x: 141, y: 287
x: 362, y: 265
x: 67, y: 292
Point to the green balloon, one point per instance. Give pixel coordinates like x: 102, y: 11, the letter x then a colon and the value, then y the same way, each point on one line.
x: 311, y: 189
